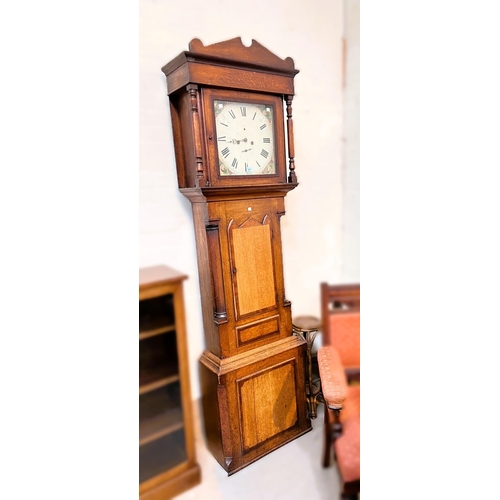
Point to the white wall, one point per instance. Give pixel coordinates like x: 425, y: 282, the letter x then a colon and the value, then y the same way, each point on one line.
x: 350, y: 161
x: 310, y: 33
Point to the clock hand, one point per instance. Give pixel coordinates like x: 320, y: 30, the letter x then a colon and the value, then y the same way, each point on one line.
x: 246, y: 150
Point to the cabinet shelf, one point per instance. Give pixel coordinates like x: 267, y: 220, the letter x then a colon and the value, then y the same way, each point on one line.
x: 147, y: 333
x: 158, y: 362
x: 160, y: 413
x: 144, y: 388
x: 162, y: 431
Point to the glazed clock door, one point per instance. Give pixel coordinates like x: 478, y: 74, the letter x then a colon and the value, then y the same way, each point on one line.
x: 245, y: 137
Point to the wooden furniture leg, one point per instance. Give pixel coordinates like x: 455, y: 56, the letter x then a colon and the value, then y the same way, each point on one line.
x: 350, y: 491
x: 327, y: 440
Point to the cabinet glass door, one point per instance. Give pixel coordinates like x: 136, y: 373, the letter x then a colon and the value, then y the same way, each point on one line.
x: 161, y: 429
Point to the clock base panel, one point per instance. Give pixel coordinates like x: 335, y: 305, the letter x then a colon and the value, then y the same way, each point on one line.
x: 254, y: 404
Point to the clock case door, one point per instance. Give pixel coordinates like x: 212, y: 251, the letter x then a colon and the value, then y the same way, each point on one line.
x: 245, y: 269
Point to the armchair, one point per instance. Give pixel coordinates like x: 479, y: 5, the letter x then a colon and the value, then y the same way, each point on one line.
x: 339, y: 368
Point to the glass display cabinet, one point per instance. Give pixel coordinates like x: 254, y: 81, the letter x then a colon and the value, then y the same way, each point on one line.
x: 167, y: 462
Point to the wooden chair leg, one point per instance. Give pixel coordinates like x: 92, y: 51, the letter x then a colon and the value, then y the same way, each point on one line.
x: 332, y: 429
x: 350, y: 491
x: 349, y: 497
x: 327, y: 440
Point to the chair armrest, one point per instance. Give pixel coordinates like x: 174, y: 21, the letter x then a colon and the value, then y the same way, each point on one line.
x: 333, y: 379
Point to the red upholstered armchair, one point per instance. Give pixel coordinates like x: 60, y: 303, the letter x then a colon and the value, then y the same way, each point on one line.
x: 339, y: 368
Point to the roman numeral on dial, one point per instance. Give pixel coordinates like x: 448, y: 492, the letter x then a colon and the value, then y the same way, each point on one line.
x: 264, y: 153
x: 221, y: 138
x: 262, y: 127
x: 267, y: 140
x: 225, y: 152
x: 231, y: 112
x: 243, y: 110
x: 235, y: 163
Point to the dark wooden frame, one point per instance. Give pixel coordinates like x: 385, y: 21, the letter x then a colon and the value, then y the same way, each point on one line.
x: 338, y: 299
x: 209, y: 95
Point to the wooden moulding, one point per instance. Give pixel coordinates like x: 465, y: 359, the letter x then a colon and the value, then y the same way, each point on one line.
x: 178, y: 480
x: 263, y: 328
x: 237, y: 66
x: 153, y: 280
x: 223, y: 366
x: 201, y: 195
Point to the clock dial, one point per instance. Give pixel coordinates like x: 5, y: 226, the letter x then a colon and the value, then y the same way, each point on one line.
x: 245, y: 138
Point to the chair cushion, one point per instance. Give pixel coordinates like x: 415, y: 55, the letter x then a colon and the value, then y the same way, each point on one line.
x: 347, y: 450
x: 351, y: 404
x: 344, y: 335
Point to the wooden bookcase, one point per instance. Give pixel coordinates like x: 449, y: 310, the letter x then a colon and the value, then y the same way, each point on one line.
x: 167, y: 462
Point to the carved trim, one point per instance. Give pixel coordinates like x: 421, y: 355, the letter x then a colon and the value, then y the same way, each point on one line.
x: 216, y: 277
x: 234, y: 51
x: 292, y: 178
x: 252, y: 221
x: 195, y: 117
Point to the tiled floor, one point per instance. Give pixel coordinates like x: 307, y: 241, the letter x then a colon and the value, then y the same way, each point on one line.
x: 292, y: 472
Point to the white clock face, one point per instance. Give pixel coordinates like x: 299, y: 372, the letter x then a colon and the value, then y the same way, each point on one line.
x: 245, y: 138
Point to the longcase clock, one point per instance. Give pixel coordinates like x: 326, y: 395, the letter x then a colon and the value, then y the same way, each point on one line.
x: 228, y: 104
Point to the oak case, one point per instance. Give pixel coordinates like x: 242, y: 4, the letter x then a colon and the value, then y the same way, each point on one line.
x: 252, y: 370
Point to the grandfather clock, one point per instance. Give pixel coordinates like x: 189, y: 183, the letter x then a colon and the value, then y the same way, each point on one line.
x: 228, y: 120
